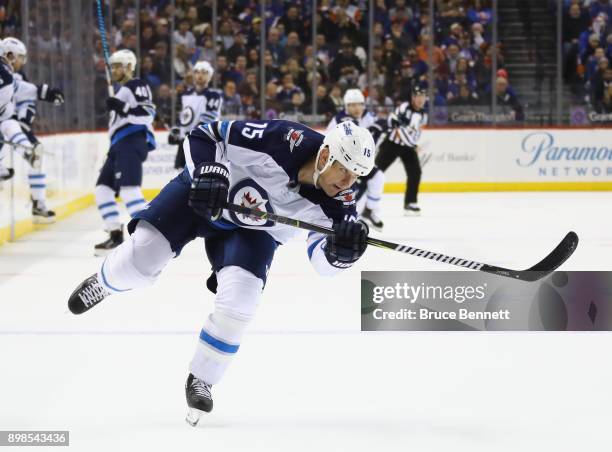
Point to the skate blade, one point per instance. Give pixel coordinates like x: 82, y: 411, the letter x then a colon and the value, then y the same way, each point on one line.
x: 411, y: 214
x: 193, y: 416
x: 43, y: 220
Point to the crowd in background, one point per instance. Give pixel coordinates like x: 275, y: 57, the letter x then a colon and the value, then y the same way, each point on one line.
x: 462, y: 54
x: 587, y: 46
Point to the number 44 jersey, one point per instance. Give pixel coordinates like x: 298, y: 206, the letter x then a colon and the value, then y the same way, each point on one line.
x: 264, y: 158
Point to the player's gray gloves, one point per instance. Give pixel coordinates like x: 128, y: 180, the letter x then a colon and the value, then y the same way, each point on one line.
x: 209, y: 190
x: 174, y: 136
x: 348, y: 242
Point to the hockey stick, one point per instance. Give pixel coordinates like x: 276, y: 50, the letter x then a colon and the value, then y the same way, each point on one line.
x: 546, y: 266
x: 105, y: 52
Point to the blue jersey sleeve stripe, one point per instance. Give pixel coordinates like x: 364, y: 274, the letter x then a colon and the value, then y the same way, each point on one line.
x: 313, y: 245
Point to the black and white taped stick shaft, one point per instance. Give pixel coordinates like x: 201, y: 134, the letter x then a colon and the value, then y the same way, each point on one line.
x: 550, y: 263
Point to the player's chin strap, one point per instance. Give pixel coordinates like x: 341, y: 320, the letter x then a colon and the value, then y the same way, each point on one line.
x: 317, y: 171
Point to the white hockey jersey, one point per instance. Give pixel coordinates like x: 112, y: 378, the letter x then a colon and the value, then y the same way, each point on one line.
x: 197, y: 107
x: 140, y: 112
x: 26, y: 95
x: 367, y: 120
x: 263, y: 158
x: 7, y: 92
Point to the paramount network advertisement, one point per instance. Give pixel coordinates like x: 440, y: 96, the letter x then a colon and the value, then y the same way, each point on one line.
x: 475, y: 301
x: 529, y: 155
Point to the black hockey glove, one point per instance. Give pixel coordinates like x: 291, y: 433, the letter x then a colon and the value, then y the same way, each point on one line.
x: 174, y: 136
x: 47, y: 94
x: 114, y: 104
x: 348, y: 243
x: 209, y: 190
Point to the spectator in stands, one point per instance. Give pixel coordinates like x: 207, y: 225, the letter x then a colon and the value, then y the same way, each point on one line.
x: 226, y: 36
x: 147, y: 39
x: 292, y: 21
x: 456, y: 30
x: 606, y: 103
x: 423, y: 50
x: 465, y: 96
x: 293, y: 47
x: 270, y: 67
x: 161, y: 62
x: 184, y: 36
x: 147, y: 74
x: 206, y: 52
x: 163, y: 102
x: 162, y: 32
x: 238, y: 48
x: 401, y: 12
x: 221, y: 71
x: 480, y: 12
x: 391, y: 58
x: 273, y: 44
x: 478, y: 36
x: 336, y: 96
x: 181, y: 62
x: 507, y: 97
x: 575, y: 21
x: 273, y: 106
x: 254, y: 33
x: 249, y: 86
x: 287, y: 90
x: 402, y: 41
x: 346, y: 67
x: 232, y: 104
x: 325, y: 106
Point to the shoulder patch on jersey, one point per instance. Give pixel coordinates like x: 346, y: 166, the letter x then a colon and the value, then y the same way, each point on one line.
x: 347, y: 197
x: 294, y: 137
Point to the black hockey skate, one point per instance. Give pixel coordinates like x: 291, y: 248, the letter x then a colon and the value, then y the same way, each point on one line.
x: 115, y: 239
x: 199, y: 399
x: 412, y: 210
x: 40, y: 213
x: 372, y: 219
x: 89, y: 293
x: 6, y: 173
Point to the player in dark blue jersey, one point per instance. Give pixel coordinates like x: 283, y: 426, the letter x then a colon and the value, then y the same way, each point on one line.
x: 275, y: 166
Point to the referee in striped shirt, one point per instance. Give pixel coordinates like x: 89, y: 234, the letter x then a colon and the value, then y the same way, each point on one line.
x: 405, y: 125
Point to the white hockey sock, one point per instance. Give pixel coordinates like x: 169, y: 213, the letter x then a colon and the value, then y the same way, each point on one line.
x: 238, y: 294
x: 105, y: 200
x: 375, y: 187
x: 38, y: 184
x: 137, y: 262
x: 133, y: 199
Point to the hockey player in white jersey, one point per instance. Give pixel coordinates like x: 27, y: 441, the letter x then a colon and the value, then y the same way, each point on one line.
x: 131, y: 135
x: 200, y: 104
x: 276, y: 166
x: 370, y: 188
x: 25, y: 96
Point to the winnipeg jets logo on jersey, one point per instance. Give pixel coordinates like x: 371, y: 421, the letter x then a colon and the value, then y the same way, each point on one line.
x: 248, y: 193
x: 346, y: 196
x: 294, y: 137
x: 186, y: 116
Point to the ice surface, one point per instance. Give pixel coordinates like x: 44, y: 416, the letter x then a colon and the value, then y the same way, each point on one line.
x: 306, y: 378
